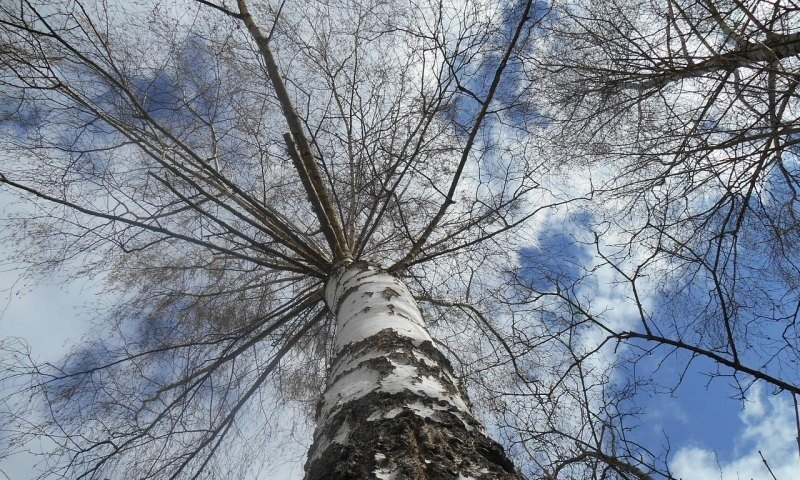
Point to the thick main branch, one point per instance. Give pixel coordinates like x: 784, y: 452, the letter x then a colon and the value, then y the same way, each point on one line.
x: 306, y: 166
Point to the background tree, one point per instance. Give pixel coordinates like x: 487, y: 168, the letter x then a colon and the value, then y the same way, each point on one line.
x: 684, y: 116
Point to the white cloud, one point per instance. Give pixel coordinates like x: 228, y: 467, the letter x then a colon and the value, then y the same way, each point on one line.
x: 768, y: 426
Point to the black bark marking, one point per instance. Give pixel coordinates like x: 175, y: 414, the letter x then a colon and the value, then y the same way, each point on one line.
x: 390, y: 292
x: 438, y: 446
x: 417, y: 448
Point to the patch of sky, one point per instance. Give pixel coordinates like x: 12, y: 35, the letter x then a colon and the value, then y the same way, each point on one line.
x: 159, y: 95
x: 765, y: 445
x: 512, y: 92
x: 694, y: 402
x: 48, y: 311
x: 687, y: 407
x: 77, y: 138
x: 20, y: 115
x: 709, y: 125
x: 49, y: 314
x: 477, y: 71
x: 711, y: 434
x: 558, y: 255
x: 134, y: 331
x: 177, y: 95
x: 691, y: 305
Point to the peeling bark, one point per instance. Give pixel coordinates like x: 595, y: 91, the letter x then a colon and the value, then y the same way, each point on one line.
x: 392, y: 408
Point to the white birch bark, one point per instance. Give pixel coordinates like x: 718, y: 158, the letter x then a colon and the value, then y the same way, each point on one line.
x: 392, y: 407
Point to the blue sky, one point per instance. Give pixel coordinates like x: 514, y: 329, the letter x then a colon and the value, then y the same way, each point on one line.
x: 698, y: 416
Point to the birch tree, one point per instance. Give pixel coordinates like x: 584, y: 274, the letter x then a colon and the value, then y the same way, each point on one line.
x: 268, y: 188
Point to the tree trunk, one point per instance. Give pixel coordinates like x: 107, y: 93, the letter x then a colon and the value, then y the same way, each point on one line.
x: 392, y: 408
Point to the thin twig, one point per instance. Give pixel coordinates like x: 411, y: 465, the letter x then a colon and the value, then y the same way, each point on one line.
x: 767, y: 465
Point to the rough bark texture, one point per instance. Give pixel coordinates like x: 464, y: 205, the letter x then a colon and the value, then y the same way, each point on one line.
x: 392, y: 408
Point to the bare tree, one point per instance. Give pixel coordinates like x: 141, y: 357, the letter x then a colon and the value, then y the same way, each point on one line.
x: 686, y: 115
x: 264, y: 186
